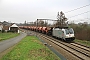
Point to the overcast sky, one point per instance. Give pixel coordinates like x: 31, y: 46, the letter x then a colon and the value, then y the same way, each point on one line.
x: 17, y: 11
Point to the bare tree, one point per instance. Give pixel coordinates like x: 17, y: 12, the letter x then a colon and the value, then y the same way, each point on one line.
x: 61, y: 19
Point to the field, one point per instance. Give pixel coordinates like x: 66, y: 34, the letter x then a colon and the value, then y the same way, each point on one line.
x: 4, y: 36
x: 30, y: 48
x: 84, y: 42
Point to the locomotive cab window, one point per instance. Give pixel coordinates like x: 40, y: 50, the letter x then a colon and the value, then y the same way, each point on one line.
x: 69, y: 31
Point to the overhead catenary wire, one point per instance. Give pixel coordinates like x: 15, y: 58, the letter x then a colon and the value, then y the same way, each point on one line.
x: 79, y: 14
x: 77, y: 8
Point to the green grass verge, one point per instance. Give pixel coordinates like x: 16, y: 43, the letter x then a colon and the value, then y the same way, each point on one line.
x: 30, y: 48
x: 84, y: 42
x: 4, y: 36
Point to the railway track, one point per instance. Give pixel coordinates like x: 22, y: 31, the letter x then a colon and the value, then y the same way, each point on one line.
x: 81, y: 52
x: 73, y: 49
x: 82, y: 49
x: 82, y: 45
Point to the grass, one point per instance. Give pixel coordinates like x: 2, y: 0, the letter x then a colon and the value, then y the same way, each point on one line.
x: 84, y: 42
x: 30, y: 48
x: 5, y: 36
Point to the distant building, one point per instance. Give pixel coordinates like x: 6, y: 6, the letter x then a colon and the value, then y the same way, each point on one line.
x: 85, y: 23
x: 6, y: 28
x: 14, y: 28
x: 80, y: 23
x: 1, y: 26
x: 9, y: 27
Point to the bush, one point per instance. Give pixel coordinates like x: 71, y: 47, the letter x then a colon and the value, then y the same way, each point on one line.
x: 82, y: 32
x: 10, y: 31
x: 3, y: 31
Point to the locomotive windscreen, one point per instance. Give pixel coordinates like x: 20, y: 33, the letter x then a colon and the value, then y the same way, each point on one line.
x: 69, y: 31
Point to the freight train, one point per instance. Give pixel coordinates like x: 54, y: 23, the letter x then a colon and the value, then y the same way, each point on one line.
x: 64, y: 33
